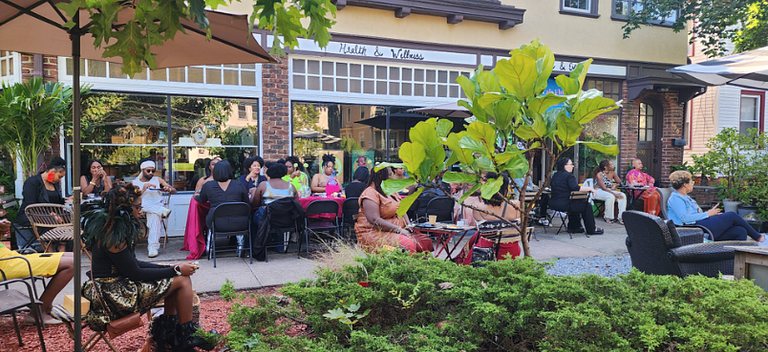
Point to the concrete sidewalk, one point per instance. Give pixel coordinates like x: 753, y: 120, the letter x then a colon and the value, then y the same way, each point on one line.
x: 285, y: 268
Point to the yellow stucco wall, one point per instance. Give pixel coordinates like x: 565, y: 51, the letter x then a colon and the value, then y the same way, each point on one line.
x: 564, y: 34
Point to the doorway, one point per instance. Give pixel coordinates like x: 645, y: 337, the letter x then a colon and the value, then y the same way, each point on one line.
x: 649, y: 137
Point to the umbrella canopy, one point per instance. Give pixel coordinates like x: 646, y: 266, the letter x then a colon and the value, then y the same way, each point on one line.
x: 748, y: 69
x: 403, y: 121
x: 140, y: 121
x: 445, y: 110
x: 43, y: 32
x: 37, y: 27
x: 320, y: 136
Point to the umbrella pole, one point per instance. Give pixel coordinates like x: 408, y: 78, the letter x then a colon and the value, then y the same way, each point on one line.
x: 386, y: 141
x: 75, y: 33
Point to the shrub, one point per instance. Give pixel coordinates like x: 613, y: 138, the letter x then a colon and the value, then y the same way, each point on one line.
x: 512, y: 305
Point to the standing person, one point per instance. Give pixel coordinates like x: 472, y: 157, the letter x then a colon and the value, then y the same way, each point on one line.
x: 152, y: 187
x: 683, y: 210
x: 651, y: 198
x: 562, y: 184
x: 208, y: 174
x: 252, y: 179
x: 223, y: 191
x: 296, y: 175
x: 59, y: 265
x: 606, y: 181
x: 94, y: 179
x: 327, y: 177
x: 359, y: 182
x: 44, y: 187
x: 119, y: 284
x: 379, y: 225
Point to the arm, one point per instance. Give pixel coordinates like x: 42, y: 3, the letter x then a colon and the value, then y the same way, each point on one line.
x: 372, y: 214
x: 203, y: 196
x: 200, y: 184
x: 316, y: 184
x: 295, y: 192
x: 85, y: 186
x: 679, y: 207
x: 166, y: 187
x: 128, y: 266
x: 256, y: 195
x: 30, y: 191
x: 107, y: 183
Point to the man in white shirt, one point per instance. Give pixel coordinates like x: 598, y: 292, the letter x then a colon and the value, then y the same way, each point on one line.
x: 152, y: 188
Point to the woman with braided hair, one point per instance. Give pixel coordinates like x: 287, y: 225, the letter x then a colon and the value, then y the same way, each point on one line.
x: 328, y: 176
x: 119, y: 285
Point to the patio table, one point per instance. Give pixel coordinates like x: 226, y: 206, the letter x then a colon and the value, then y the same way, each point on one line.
x: 306, y: 200
x: 445, y: 232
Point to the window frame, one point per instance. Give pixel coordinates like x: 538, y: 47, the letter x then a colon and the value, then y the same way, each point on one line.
x: 591, y: 12
x: 620, y: 17
x: 760, y: 95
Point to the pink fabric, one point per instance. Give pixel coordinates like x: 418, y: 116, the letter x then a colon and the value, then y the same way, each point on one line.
x: 637, y: 177
x: 305, y: 203
x: 331, y: 189
x: 194, y: 233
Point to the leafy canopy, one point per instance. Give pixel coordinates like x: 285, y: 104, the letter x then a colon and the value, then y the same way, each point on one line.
x: 717, y: 22
x: 509, y: 105
x: 155, y: 21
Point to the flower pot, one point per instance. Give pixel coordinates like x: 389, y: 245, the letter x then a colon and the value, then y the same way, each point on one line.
x: 746, y: 209
x: 731, y: 205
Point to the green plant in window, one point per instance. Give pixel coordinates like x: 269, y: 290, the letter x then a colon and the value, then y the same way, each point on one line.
x: 508, y: 100
x: 593, y: 157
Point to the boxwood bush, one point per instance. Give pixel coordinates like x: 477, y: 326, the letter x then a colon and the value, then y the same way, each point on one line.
x: 423, y: 304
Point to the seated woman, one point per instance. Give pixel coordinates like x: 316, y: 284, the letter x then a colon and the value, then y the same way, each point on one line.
x: 252, y: 179
x: 358, y: 184
x: 606, y: 181
x: 378, y: 224
x: 223, y: 191
x: 44, y: 187
x: 94, y: 179
x: 562, y: 184
x: 327, y: 177
x: 119, y: 285
x: 683, y: 210
x: 296, y: 174
x: 496, y: 206
x: 59, y: 265
x: 275, y: 188
x: 208, y: 174
x: 651, y: 198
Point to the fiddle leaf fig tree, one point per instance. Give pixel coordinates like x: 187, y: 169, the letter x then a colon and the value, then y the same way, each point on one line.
x: 509, y: 105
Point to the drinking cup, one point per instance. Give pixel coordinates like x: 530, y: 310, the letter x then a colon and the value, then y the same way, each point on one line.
x: 433, y: 219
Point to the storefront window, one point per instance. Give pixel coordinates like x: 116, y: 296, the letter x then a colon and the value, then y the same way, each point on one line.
x: 603, y: 129
x: 120, y: 129
x: 354, y: 134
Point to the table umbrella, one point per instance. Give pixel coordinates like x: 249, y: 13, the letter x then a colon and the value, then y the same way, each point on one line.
x: 403, y: 121
x: 445, y: 110
x: 320, y: 136
x: 748, y: 69
x: 37, y: 27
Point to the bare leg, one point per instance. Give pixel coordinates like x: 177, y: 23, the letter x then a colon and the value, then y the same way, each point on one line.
x: 63, y: 275
x: 181, y: 298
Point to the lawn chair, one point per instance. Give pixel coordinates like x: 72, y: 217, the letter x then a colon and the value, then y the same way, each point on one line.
x: 51, y: 223
x: 11, y: 300
x: 578, y: 201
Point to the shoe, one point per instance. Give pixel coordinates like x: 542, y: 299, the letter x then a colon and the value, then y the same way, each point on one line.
x: 186, y: 340
x: 598, y: 231
x: 29, y: 319
x: 544, y: 222
x: 240, y: 251
x: 764, y: 243
x: 151, y: 252
x: 621, y: 221
x: 608, y: 220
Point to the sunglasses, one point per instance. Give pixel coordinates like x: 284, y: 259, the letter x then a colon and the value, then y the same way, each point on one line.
x: 149, y: 171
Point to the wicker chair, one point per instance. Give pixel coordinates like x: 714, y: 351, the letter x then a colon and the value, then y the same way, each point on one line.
x: 50, y: 223
x: 661, y: 248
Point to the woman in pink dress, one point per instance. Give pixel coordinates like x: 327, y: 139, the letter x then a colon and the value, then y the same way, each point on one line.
x: 636, y: 177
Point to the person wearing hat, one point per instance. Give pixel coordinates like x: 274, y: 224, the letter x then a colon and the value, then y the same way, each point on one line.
x: 152, y: 188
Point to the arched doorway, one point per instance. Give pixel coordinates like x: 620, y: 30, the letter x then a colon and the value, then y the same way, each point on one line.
x: 649, y: 137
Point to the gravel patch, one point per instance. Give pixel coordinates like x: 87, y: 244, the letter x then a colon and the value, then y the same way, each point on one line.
x: 607, y: 266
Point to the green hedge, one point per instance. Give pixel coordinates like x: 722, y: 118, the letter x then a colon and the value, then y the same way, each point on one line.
x: 512, y: 305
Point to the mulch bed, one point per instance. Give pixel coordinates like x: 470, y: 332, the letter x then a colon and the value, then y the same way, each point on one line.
x: 213, y: 315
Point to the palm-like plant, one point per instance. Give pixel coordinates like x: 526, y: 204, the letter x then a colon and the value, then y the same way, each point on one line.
x: 31, y: 114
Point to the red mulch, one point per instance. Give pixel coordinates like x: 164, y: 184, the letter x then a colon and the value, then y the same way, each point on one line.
x: 213, y: 315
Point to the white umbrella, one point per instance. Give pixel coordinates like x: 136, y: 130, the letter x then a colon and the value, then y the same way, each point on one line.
x: 320, y: 136
x: 748, y: 69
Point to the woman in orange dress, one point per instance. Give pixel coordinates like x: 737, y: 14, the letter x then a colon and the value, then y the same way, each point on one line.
x: 378, y: 224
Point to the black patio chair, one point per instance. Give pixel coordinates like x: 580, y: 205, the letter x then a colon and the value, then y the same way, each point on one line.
x: 413, y: 211
x: 230, y: 219
x: 283, y: 216
x: 350, y: 210
x: 12, y: 299
x: 442, y: 207
x: 578, y: 201
x: 657, y: 247
x: 321, y: 226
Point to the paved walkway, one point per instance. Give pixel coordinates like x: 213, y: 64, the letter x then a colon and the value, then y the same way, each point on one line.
x: 284, y: 268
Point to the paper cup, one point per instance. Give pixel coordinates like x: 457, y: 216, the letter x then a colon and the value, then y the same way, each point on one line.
x: 432, y: 219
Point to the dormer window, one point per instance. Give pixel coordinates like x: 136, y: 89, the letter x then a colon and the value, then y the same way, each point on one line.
x: 586, y: 8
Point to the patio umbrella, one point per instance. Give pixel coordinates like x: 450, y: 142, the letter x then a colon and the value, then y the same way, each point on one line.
x: 402, y: 121
x: 320, y: 136
x: 445, y: 110
x: 37, y: 27
x: 140, y: 121
x: 748, y: 69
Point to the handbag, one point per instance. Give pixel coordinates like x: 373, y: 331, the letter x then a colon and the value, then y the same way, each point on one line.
x: 120, y: 326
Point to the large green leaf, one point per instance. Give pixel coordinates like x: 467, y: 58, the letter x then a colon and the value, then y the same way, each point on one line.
x: 488, y: 82
x: 444, y: 127
x: 406, y: 203
x: 541, y: 104
x: 518, y: 75
x: 483, y: 133
x: 568, y: 130
x: 425, y: 134
x: 569, y: 85
x: 427, y: 170
x: 607, y: 149
x: 477, y: 111
x: 489, y: 98
x: 539, y: 125
x: 485, y: 163
x: 473, y: 145
x: 508, y: 155
x: 392, y: 186
x: 526, y: 133
x: 458, y: 177
x: 470, y: 192
x: 380, y: 166
x: 491, y: 187
x: 466, y: 86
x: 505, y: 111
x: 588, y: 109
x: 459, y: 153
x: 412, y: 155
x: 517, y: 166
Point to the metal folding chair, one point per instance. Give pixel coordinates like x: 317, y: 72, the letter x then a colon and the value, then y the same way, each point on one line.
x: 230, y: 219
x: 317, y: 226
x: 578, y: 200
x: 442, y: 207
x: 350, y: 210
x: 12, y: 300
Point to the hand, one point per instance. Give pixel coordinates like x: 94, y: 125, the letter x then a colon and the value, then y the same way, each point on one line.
x: 715, y: 210
x: 146, y: 186
x: 405, y: 232
x: 295, y: 174
x: 619, y: 195
x: 187, y: 269
x: 166, y: 189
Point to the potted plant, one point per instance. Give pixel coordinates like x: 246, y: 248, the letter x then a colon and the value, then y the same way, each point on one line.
x: 729, y: 152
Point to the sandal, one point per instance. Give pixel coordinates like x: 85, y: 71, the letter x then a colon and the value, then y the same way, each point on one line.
x: 621, y: 221
x: 608, y: 220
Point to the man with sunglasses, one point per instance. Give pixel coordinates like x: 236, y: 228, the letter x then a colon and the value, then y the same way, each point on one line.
x: 152, y: 188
